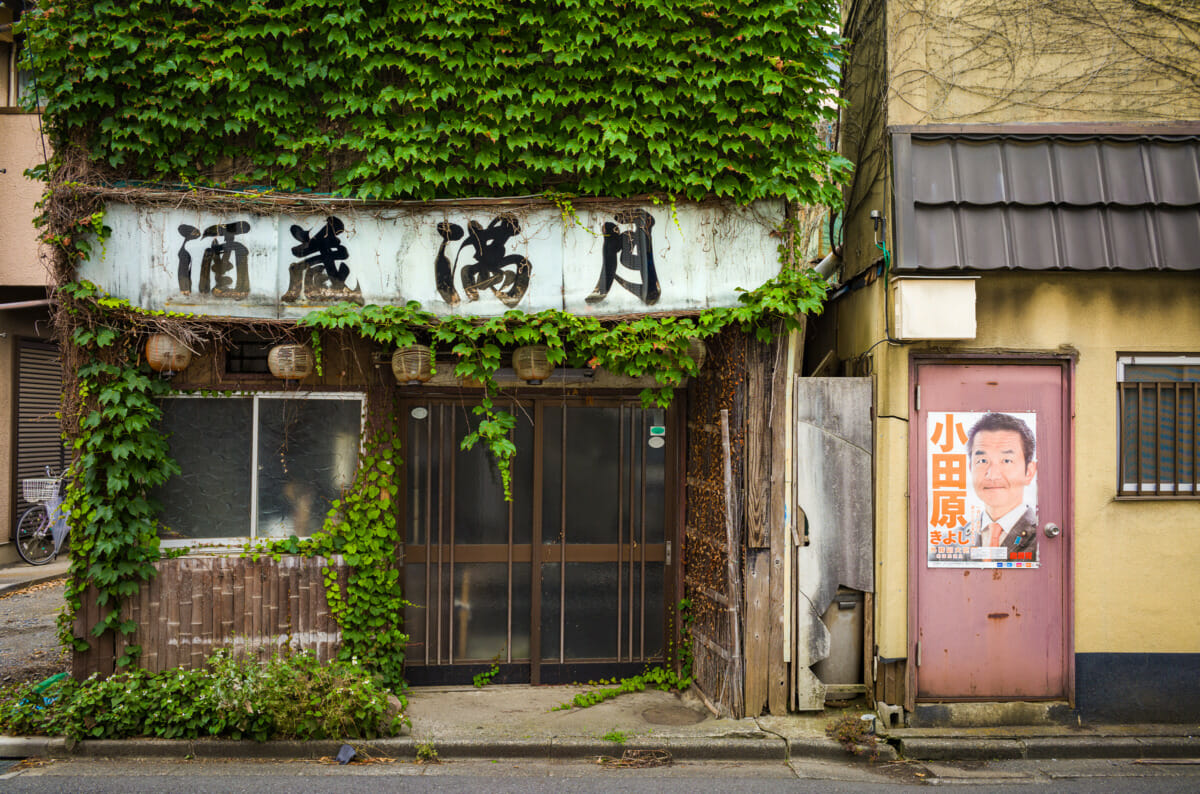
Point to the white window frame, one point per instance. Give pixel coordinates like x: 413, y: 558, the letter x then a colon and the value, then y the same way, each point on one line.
x: 1149, y: 490
x: 239, y: 541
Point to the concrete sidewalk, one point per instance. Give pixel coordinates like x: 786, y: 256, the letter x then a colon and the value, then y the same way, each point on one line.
x: 21, y: 574
x: 509, y: 722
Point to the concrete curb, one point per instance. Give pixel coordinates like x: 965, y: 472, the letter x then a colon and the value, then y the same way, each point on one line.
x: 560, y: 748
x: 32, y: 747
x: 937, y: 748
x: 21, y: 585
x: 772, y: 748
x: 816, y: 747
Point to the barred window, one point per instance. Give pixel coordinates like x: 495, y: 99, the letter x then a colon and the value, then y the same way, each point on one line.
x: 1157, y: 397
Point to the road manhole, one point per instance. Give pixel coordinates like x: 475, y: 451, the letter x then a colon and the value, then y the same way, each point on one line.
x: 671, y: 715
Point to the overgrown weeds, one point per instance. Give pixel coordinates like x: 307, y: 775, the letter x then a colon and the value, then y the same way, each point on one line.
x: 290, y: 695
x: 852, y: 732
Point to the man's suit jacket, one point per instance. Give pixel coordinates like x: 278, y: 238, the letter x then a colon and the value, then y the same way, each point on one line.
x: 1021, y: 538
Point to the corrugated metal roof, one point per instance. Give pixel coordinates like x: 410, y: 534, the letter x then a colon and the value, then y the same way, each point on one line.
x: 987, y: 201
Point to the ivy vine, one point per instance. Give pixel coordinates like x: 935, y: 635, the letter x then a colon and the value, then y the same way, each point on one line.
x: 648, y: 346
x: 389, y: 99
x: 361, y: 529
x: 119, y: 457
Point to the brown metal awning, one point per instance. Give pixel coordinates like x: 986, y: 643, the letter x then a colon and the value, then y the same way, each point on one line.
x: 1047, y: 197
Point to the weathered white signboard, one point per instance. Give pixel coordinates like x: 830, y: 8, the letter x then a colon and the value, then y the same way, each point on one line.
x: 476, y: 259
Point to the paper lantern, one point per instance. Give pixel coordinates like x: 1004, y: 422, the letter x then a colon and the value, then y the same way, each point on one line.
x: 290, y: 362
x: 412, y: 364
x: 166, y: 354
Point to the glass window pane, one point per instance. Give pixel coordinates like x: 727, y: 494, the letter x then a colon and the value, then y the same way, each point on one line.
x: 1158, y: 435
x: 1174, y: 373
x: 593, y: 462
x: 420, y: 471
x: 552, y: 480
x: 307, y: 455
x: 655, y: 590
x: 551, y: 612
x: 480, y: 512
x: 480, y: 622
x: 416, y: 612
x: 427, y: 619
x: 210, y: 440
x: 590, y: 628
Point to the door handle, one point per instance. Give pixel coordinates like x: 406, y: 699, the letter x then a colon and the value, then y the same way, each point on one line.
x: 1051, y: 530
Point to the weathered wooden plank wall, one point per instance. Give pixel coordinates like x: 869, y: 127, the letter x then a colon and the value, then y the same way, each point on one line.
x: 721, y: 386
x: 198, y: 604
x: 767, y: 526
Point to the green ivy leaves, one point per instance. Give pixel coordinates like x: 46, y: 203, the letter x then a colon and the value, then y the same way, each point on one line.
x: 659, y: 347
x: 399, y: 100
x: 119, y: 458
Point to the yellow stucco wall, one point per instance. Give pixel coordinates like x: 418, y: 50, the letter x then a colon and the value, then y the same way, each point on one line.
x: 987, y: 61
x: 20, y: 148
x: 1134, y: 581
x: 1012, y: 62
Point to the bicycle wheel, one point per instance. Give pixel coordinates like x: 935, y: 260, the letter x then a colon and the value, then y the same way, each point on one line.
x: 35, y: 542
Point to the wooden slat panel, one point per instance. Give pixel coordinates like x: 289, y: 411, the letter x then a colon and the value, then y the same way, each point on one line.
x: 196, y: 605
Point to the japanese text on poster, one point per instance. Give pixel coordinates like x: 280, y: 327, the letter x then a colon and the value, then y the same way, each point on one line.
x: 981, y: 468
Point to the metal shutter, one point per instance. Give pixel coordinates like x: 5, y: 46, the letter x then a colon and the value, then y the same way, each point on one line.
x: 38, y: 439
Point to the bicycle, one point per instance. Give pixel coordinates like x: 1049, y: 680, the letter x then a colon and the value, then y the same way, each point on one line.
x: 42, y: 529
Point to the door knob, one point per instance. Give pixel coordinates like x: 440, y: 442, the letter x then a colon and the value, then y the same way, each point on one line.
x: 1051, y: 530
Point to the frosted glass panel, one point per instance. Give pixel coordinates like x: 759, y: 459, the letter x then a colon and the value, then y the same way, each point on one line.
x: 210, y: 440
x: 481, y: 612
x: 307, y: 455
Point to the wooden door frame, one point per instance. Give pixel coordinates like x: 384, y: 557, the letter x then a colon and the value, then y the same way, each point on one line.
x: 1066, y: 362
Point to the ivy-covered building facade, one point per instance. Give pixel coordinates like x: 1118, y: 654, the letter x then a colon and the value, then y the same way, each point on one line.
x: 499, y: 371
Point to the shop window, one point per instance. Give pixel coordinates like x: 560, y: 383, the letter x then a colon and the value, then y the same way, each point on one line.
x: 257, y: 466
x: 1159, y: 438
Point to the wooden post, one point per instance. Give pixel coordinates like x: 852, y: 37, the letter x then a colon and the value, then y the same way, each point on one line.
x: 733, y: 565
x: 782, y: 522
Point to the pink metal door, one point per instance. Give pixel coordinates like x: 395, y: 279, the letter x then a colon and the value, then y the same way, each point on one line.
x: 992, y: 613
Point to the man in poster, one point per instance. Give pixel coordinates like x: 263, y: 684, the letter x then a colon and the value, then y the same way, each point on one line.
x: 1001, y: 460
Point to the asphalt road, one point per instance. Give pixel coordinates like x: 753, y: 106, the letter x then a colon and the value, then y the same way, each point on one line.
x: 494, y: 777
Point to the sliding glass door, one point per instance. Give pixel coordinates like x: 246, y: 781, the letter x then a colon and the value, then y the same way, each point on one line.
x: 565, y: 582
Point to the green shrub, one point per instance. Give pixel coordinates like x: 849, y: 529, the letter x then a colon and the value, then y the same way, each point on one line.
x: 290, y: 695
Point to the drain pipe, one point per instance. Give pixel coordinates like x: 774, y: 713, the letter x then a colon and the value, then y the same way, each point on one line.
x: 829, y: 265
x: 26, y: 304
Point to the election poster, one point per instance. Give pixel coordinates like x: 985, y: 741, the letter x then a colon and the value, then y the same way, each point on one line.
x: 981, y: 470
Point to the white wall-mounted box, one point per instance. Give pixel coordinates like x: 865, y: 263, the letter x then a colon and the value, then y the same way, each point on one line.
x: 934, y: 307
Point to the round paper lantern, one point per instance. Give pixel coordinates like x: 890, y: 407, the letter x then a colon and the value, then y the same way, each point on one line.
x: 290, y: 362
x: 531, y: 364
x: 166, y: 354
x: 412, y: 364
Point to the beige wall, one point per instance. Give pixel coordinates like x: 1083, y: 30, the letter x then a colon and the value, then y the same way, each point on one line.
x: 984, y: 61
x: 1135, y: 561
x: 20, y: 148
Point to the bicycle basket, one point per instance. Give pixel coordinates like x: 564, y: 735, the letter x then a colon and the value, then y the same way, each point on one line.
x: 40, y: 489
